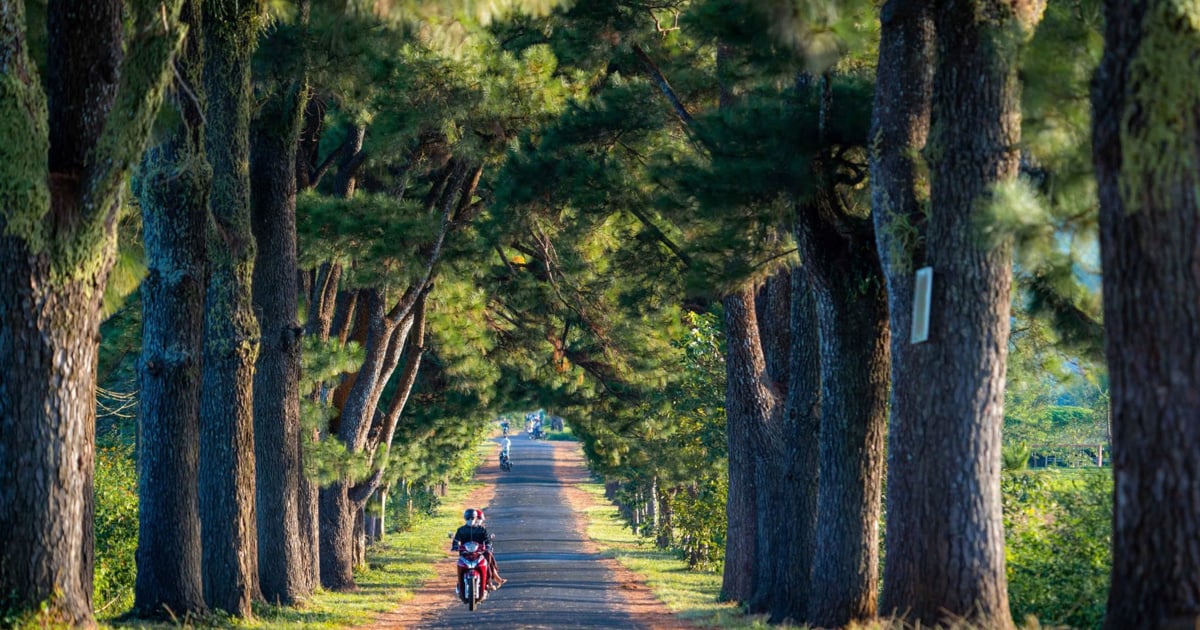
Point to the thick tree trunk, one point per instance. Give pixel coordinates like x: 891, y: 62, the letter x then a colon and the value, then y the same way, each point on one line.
x: 231, y: 332
x: 284, y: 562
x: 903, y: 94
x: 337, y: 537
x: 750, y: 405
x: 851, y: 306
x: 1146, y: 140
x: 63, y: 163
x: 47, y: 383
x: 852, y: 310
x: 173, y: 190
x: 802, y: 428
x: 945, y: 535
x: 777, y: 579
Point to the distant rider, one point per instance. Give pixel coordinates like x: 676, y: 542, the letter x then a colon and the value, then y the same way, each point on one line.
x: 474, y: 531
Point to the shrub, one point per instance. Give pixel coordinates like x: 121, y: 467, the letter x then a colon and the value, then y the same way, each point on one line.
x: 116, y: 528
x: 699, y: 522
x: 1058, y: 530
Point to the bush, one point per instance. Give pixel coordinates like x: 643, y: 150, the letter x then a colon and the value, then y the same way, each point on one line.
x: 1058, y: 530
x: 407, y: 509
x: 116, y: 529
x: 699, y: 522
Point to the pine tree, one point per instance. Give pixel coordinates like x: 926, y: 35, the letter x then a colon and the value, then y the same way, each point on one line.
x: 173, y: 186
x: 231, y: 330
x: 971, y: 150
x: 65, y: 156
x: 1144, y: 147
x: 286, y: 559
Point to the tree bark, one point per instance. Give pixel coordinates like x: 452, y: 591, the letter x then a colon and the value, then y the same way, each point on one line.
x: 802, y: 427
x: 904, y: 87
x: 945, y: 534
x: 353, y: 155
x: 173, y: 189
x: 63, y: 164
x: 851, y: 306
x: 324, y: 298
x: 1145, y: 148
x: 750, y: 404
x: 338, y: 510
x: 284, y: 560
x: 782, y: 561
x: 231, y: 331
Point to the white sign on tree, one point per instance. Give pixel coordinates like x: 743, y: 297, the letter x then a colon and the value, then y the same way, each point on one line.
x: 922, y: 293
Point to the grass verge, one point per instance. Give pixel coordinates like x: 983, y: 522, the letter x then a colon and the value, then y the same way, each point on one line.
x: 691, y: 595
x: 396, y: 567
x: 562, y: 436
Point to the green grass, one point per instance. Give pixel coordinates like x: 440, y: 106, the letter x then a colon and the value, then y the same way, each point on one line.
x: 396, y: 567
x: 692, y: 595
x: 562, y: 436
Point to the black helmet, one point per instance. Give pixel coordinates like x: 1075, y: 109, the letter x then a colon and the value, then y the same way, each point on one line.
x: 470, y: 515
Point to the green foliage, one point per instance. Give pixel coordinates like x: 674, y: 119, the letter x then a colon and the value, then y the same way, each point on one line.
x: 675, y: 443
x: 1058, y: 532
x: 116, y: 525
x: 1015, y: 457
x: 1053, y: 211
x: 699, y: 513
x: 1053, y: 397
x: 327, y: 460
x: 408, y: 505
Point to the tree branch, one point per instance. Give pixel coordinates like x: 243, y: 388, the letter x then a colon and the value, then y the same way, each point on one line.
x: 664, y: 86
x: 661, y: 236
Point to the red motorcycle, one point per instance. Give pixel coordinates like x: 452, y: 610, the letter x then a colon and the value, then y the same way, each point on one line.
x: 472, y: 573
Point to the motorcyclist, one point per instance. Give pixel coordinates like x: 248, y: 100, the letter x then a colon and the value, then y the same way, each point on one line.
x: 474, y: 531
x: 504, y: 426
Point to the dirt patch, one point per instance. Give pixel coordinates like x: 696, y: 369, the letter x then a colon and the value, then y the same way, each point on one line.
x: 437, y: 594
x: 639, y: 601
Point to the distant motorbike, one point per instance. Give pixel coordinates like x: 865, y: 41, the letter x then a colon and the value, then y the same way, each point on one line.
x: 505, y: 462
x: 472, y: 573
x: 537, y: 434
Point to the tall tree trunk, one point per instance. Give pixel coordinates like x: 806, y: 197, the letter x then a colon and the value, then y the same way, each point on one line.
x: 1146, y: 135
x: 945, y: 535
x: 851, y: 305
x: 903, y: 93
x: 775, y: 581
x: 63, y: 164
x: 320, y: 322
x: 231, y: 332
x: 802, y: 422
x: 173, y: 189
x: 285, y: 574
x: 852, y: 310
x: 749, y: 406
x: 338, y: 509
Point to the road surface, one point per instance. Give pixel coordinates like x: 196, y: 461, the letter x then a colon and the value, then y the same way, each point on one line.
x: 555, y: 578
x: 552, y: 581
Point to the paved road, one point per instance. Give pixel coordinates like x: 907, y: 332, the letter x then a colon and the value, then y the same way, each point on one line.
x: 551, y: 583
